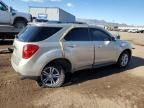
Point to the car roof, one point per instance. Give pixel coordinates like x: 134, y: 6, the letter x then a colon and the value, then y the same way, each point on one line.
x: 40, y: 24
x: 56, y: 24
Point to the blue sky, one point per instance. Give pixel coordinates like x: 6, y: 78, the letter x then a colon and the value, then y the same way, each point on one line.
x: 121, y: 11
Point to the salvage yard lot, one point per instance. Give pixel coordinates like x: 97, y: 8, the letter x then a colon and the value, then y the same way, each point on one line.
x: 107, y: 87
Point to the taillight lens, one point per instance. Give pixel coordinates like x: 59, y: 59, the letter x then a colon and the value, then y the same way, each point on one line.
x: 29, y: 50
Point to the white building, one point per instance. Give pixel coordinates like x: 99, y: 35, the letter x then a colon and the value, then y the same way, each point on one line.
x: 51, y: 14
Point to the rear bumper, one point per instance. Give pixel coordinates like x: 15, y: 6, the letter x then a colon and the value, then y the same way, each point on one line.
x: 26, y: 69
x: 22, y: 76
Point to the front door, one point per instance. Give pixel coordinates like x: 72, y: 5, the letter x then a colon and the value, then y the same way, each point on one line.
x: 105, y: 48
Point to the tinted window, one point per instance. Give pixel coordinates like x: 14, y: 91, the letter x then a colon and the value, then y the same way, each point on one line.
x: 3, y: 7
x: 99, y: 35
x: 35, y: 34
x: 78, y: 34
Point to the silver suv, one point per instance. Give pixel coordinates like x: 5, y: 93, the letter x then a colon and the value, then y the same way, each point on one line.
x: 49, y: 51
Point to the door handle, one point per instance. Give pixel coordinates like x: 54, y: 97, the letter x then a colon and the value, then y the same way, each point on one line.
x: 71, y: 46
x: 100, y: 46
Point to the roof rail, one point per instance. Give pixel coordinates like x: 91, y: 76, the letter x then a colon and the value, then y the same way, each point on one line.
x: 78, y: 22
x: 59, y: 22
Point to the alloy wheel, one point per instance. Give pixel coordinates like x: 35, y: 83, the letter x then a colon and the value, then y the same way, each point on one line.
x: 124, y: 60
x: 50, y: 76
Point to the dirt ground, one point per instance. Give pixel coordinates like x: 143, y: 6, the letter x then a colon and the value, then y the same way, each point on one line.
x: 107, y: 87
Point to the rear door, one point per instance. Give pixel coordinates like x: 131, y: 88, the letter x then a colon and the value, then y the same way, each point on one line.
x: 4, y: 14
x: 105, y: 48
x: 79, y: 48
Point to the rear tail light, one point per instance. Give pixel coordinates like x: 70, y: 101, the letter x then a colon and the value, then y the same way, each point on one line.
x: 29, y: 50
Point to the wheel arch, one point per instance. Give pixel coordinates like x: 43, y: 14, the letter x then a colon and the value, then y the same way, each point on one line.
x: 126, y: 50
x: 20, y: 18
x: 65, y: 63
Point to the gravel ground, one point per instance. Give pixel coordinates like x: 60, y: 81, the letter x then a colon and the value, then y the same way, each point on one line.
x: 107, y: 87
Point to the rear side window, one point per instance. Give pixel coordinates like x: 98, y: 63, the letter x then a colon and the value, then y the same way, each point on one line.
x: 35, y: 34
x: 78, y: 34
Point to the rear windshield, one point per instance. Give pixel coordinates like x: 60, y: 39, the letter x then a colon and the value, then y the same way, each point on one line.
x: 35, y: 34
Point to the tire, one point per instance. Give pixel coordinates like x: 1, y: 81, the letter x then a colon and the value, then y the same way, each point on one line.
x: 20, y: 24
x: 52, y: 76
x: 124, y: 59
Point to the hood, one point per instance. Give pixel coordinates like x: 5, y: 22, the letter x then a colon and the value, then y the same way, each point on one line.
x: 22, y: 14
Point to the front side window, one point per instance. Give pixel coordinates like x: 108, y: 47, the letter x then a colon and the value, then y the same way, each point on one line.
x: 99, y: 35
x: 78, y: 34
x: 3, y: 7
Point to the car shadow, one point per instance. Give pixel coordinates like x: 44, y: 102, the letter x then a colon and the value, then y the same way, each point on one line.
x: 91, y: 74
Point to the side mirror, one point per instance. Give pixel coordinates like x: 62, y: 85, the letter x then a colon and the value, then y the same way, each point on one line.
x: 113, y: 39
x: 118, y: 36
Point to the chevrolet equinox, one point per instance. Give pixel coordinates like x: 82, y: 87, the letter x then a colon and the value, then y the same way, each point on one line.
x: 49, y: 51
